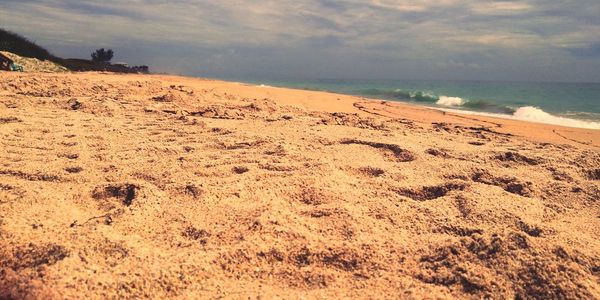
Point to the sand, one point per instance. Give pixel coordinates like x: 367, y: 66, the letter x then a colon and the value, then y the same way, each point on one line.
x: 128, y: 186
x: 34, y: 64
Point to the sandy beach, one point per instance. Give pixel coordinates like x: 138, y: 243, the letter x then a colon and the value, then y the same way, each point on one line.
x: 126, y: 186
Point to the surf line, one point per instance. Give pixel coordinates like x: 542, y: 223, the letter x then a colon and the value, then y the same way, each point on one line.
x: 473, y: 119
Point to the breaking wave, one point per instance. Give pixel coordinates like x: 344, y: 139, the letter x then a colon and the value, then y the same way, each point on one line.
x: 536, y: 115
x: 480, y: 107
x: 431, y: 98
x: 450, y: 101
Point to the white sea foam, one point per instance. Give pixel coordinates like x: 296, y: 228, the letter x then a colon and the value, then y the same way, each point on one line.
x: 450, y: 101
x: 264, y: 86
x: 421, y: 93
x: 534, y: 114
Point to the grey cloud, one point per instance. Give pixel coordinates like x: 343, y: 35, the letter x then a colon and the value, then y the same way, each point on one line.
x: 324, y: 41
x: 591, y: 51
x: 334, y: 38
x: 95, y: 9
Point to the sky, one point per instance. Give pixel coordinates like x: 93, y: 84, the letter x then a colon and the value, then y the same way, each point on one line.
x: 516, y: 40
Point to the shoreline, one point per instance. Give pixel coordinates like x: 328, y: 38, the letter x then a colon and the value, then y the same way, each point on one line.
x: 524, y: 112
x: 567, y: 134
x: 548, y: 119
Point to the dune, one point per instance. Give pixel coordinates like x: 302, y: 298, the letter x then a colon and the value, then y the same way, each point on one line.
x: 34, y: 64
x: 128, y: 186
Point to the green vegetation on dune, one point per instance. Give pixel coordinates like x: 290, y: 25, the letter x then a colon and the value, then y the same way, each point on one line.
x: 19, y: 45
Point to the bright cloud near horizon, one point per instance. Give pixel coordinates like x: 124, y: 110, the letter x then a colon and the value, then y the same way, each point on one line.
x: 533, y: 40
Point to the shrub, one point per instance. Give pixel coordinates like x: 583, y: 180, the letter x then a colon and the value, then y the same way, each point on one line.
x: 102, y: 55
x: 21, y: 46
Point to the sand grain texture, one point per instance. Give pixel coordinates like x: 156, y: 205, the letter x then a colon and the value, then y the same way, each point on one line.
x: 127, y: 186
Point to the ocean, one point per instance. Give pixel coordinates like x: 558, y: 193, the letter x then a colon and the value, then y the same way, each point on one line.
x: 568, y: 104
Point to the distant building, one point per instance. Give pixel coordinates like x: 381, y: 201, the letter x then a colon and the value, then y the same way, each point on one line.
x: 121, y: 64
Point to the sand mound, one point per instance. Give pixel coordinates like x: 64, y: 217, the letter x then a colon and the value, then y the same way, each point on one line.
x: 34, y: 64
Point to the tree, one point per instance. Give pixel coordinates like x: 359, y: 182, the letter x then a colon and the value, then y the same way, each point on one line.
x: 102, y: 55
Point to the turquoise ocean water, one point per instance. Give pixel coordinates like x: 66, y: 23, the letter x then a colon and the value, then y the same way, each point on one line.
x: 569, y: 104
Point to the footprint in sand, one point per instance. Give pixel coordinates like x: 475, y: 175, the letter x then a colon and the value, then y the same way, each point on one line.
x: 73, y: 169
x: 69, y: 155
x: 431, y: 192
x: 124, y: 193
x: 510, y: 184
x: 392, y: 151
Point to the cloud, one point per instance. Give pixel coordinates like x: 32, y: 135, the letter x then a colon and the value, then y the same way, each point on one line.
x: 500, y: 7
x: 386, y: 38
x: 589, y: 51
x: 451, y: 64
x: 412, y: 5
